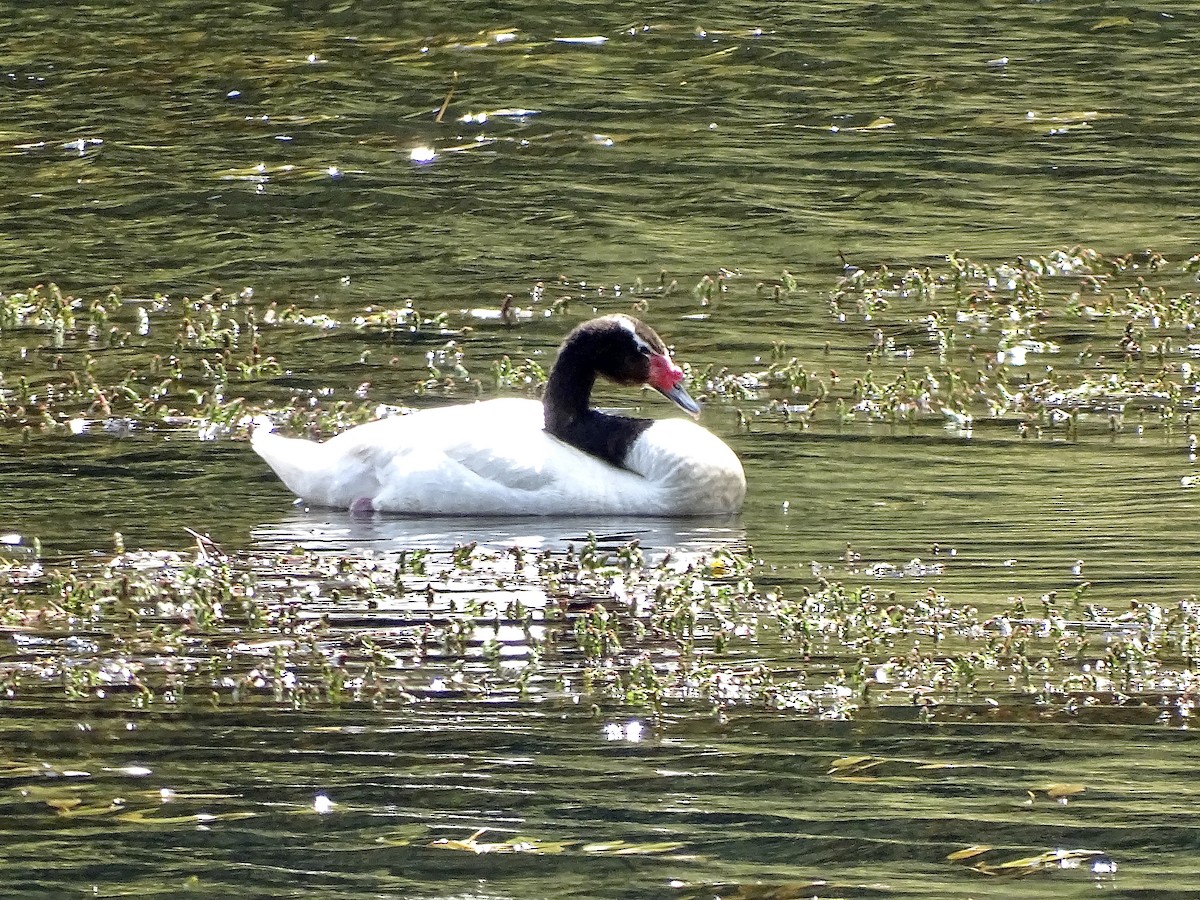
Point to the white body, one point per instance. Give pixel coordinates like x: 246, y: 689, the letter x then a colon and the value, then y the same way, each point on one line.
x: 495, y: 458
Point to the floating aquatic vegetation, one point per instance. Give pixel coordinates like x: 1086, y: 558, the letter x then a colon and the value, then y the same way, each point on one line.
x: 756, y: 890
x: 598, y: 625
x: 46, y: 308
x: 979, y: 858
x: 405, y: 319
x: 875, y: 767
x: 527, y: 375
x: 472, y: 844
x: 1048, y: 345
x: 968, y: 346
x: 447, y: 373
x: 982, y: 345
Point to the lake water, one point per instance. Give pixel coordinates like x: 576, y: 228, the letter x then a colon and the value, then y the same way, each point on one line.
x: 1009, y: 469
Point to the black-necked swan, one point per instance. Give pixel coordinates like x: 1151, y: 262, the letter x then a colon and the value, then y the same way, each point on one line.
x: 515, y: 456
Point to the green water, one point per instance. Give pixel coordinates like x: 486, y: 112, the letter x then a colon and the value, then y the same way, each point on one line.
x: 174, y: 148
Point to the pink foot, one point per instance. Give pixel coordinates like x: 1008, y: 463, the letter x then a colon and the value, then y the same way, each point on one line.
x: 362, y: 507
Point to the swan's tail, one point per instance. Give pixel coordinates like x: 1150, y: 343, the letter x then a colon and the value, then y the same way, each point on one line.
x: 300, y: 464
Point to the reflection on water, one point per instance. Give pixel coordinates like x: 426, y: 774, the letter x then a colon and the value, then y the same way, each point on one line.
x: 357, y: 803
x: 338, y: 532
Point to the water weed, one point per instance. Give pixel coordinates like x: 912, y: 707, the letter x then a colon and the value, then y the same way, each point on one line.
x: 598, y: 624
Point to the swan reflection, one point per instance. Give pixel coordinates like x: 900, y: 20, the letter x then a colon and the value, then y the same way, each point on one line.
x: 324, y: 530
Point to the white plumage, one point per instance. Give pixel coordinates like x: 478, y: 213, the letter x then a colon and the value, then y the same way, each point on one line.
x: 496, y: 456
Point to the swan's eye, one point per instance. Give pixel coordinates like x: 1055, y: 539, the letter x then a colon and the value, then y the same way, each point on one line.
x: 642, y: 347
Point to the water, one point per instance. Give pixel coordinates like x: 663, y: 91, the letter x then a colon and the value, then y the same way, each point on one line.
x: 177, y: 147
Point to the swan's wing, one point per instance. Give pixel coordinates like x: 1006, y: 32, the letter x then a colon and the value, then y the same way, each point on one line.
x: 496, y: 457
x: 481, y: 457
x: 695, y: 471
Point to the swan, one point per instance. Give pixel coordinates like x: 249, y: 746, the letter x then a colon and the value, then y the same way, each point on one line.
x: 513, y: 456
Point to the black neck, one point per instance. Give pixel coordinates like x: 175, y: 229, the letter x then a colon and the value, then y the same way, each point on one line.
x: 570, y: 418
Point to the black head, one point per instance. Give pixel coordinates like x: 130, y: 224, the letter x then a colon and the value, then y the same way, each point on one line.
x: 627, y: 351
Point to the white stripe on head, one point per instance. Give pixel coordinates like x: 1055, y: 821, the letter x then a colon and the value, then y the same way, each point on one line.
x: 629, y: 325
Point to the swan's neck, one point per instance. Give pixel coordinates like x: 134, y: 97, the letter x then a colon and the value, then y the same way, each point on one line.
x: 570, y: 418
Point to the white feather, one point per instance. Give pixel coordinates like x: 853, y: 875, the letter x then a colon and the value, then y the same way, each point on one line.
x: 495, y: 458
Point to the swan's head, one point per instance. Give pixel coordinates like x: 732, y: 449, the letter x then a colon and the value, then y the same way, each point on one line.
x: 630, y: 353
